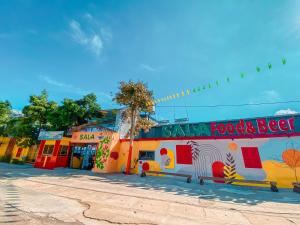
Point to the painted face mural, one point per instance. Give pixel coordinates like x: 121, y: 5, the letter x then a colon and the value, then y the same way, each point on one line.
x: 165, y: 159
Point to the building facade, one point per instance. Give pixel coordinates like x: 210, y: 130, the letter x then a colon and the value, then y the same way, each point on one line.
x: 264, y: 149
x: 253, y: 149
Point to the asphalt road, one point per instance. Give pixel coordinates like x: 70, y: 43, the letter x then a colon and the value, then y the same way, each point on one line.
x: 65, y: 196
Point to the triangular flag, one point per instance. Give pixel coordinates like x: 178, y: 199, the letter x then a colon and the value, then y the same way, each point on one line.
x: 269, y: 66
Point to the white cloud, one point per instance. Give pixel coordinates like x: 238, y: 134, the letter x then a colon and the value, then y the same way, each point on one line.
x: 270, y: 95
x: 91, y: 40
x: 54, y: 82
x: 150, y: 68
x: 70, y: 88
x: 265, y: 96
x: 285, y: 112
x: 96, y: 44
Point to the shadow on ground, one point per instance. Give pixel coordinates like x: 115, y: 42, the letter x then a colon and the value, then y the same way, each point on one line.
x: 178, y: 186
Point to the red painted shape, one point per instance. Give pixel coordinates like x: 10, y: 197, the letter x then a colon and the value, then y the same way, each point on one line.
x: 129, y: 160
x: 61, y: 161
x: 38, y: 162
x: 51, y: 163
x: 218, y: 170
x: 114, y: 155
x: 145, y: 166
x: 251, y: 157
x: 184, y: 154
x: 48, y: 162
x: 163, y: 151
x: 19, y: 152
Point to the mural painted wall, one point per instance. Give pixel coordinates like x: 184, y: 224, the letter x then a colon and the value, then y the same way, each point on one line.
x: 107, y: 153
x: 273, y: 159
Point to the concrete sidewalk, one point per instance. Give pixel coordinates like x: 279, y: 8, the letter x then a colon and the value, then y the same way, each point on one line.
x: 82, y: 197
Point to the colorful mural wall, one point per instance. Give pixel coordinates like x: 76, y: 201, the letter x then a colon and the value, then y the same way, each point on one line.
x: 253, y: 149
x: 107, y: 153
x: 10, y: 149
x: 272, y: 159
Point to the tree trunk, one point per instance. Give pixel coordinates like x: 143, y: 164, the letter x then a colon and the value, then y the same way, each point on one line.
x: 132, y: 120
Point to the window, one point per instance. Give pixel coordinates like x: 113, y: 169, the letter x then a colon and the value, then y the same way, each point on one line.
x: 63, y: 150
x: 19, y: 152
x: 251, y: 157
x: 48, y: 150
x: 184, y: 154
x: 146, y: 155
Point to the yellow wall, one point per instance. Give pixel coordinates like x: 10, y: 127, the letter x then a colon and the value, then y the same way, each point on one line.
x: 137, y: 146
x: 4, y: 143
x: 32, y: 153
x: 23, y: 154
x: 65, y: 141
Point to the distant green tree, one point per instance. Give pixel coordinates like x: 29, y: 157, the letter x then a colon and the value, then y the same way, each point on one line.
x: 75, y: 112
x: 26, y: 129
x: 39, y: 110
x: 42, y: 114
x: 137, y: 98
x: 5, y: 116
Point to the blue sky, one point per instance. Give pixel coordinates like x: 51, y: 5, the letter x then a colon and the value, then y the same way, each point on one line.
x: 75, y: 47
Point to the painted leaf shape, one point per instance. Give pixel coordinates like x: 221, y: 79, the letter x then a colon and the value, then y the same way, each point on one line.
x: 291, y: 157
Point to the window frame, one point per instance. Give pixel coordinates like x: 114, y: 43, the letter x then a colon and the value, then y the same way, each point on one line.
x: 46, y: 150
x: 65, y: 147
x: 147, y: 158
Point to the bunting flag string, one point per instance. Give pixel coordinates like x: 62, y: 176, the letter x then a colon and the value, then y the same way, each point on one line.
x: 194, y: 90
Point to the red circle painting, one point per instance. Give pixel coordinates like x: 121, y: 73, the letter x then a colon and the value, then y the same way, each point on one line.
x: 114, y: 155
x: 145, y: 166
x: 163, y: 151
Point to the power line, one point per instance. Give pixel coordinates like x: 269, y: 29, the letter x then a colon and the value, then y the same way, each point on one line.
x: 228, y: 105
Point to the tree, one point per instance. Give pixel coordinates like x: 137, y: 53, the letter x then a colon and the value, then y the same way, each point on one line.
x: 74, y: 112
x: 39, y: 110
x: 137, y: 98
x: 5, y: 116
x: 26, y: 129
x: 292, y: 158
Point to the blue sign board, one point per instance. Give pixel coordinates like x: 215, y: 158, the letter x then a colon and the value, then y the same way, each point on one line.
x: 51, y: 135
